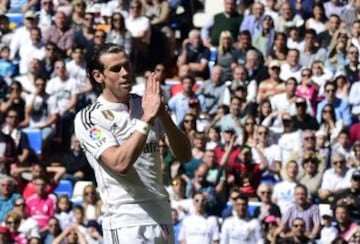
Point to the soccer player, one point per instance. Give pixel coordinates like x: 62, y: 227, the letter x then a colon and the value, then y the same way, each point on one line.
x: 120, y: 134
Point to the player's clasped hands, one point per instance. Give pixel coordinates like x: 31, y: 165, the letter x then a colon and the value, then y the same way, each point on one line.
x: 151, y: 101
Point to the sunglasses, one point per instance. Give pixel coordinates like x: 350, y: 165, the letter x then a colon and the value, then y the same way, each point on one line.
x: 330, y: 90
x: 338, y: 162
x: 305, y: 75
x: 20, y: 204
x: 262, y: 133
x: 12, y: 222
x: 89, y: 193
x: 326, y: 111
x: 265, y: 192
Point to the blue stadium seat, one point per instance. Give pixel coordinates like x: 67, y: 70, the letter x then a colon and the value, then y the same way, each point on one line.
x: 65, y: 187
x: 35, y: 139
x: 252, y: 206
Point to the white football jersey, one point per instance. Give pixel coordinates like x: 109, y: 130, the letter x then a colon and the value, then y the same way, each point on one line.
x: 139, y: 197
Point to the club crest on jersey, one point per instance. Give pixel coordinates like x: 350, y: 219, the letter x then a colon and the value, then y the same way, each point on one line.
x: 108, y: 114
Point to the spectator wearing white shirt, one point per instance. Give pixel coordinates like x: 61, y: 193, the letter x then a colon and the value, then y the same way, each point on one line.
x: 63, y: 89
x: 284, y: 191
x: 335, y: 179
x: 198, y: 227
x: 292, y: 67
x: 22, y: 34
x: 240, y: 228
x: 32, y: 49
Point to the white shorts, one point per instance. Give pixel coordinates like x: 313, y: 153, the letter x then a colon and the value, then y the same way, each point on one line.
x: 143, y: 234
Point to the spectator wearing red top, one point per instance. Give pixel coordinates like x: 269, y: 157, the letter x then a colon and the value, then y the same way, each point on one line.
x: 248, y: 173
x: 41, y: 206
x: 355, y: 132
x: 38, y: 170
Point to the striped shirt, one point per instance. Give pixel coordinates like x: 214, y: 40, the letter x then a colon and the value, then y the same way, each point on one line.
x: 310, y: 214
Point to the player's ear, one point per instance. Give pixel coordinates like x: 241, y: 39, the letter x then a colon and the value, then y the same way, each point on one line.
x: 98, y: 76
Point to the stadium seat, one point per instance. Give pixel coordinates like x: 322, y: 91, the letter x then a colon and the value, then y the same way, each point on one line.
x: 35, y: 139
x: 65, y: 187
x: 252, y: 206
x: 79, y: 186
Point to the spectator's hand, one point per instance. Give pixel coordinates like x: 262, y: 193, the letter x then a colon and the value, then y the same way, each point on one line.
x: 151, y: 100
x: 185, y: 43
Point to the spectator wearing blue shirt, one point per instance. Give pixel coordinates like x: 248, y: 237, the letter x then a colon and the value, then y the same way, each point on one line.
x: 252, y: 22
x: 342, y: 109
x: 7, y: 68
x: 179, y: 104
x: 7, y: 196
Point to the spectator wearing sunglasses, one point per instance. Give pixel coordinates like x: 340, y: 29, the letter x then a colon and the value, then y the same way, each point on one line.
x: 335, y: 179
x: 199, y: 227
x: 350, y: 197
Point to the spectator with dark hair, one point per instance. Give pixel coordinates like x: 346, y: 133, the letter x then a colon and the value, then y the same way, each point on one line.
x: 118, y: 33
x: 344, y: 223
x: 14, y: 100
x: 243, y: 45
x: 302, y: 120
x: 33, y: 49
x: 297, y: 234
x: 48, y: 63
x: 179, y: 104
x: 63, y: 211
x: 280, y: 49
x: 350, y: 197
x: 329, y: 124
x: 240, y: 227
x: 332, y: 26
x: 292, y: 67
x: 39, y: 170
x: 28, y: 226
x: 40, y: 111
x: 318, y: 20
x: 76, y: 164
x: 42, y: 205
x: 25, y: 153
x: 341, y: 107
x: 342, y: 145
x: 230, y: 20
x: 12, y: 222
x: 7, y: 66
x: 311, y: 52
x: 305, y: 210
x: 248, y: 173
x: 201, y: 221
x: 8, y: 156
x: 232, y: 120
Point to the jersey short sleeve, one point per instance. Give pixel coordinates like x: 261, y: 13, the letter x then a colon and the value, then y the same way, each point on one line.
x: 93, y: 132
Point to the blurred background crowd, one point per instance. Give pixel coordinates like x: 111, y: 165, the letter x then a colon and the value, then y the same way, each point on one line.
x: 267, y: 91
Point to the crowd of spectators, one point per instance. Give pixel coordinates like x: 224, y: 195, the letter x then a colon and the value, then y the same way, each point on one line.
x: 267, y: 91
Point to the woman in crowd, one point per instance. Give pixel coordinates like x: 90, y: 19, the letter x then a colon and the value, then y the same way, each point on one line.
x: 225, y: 54
x: 91, y: 203
x: 340, y: 42
x: 318, y: 21
x: 188, y: 126
x: 329, y: 124
x: 118, y: 33
x: 198, y: 149
x: 249, y: 131
x: 311, y: 176
x: 280, y: 49
x: 264, y: 39
x: 307, y: 88
x: 12, y: 222
x: 320, y: 75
